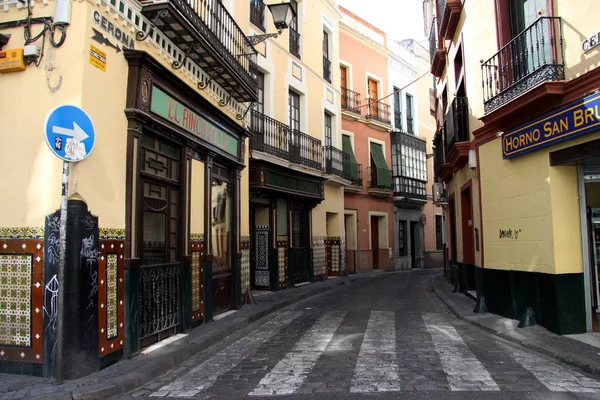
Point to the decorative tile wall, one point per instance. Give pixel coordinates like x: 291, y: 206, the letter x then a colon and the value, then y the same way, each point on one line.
x: 197, y: 275
x: 333, y: 255
x: 245, y: 248
x: 282, y: 260
x: 262, y: 256
x: 319, y: 261
x: 111, y: 291
x: 343, y: 255
x: 21, y: 294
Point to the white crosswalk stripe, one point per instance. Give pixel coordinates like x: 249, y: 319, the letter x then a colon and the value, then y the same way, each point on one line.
x: 551, y: 374
x: 289, y: 373
x: 464, y: 371
x: 205, y: 375
x: 377, y: 366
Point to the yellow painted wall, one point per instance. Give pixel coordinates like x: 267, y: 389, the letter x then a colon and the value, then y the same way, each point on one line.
x: 333, y: 203
x: 197, y: 198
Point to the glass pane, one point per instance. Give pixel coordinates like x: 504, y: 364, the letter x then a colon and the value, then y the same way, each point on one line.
x: 154, y: 234
x: 221, y: 225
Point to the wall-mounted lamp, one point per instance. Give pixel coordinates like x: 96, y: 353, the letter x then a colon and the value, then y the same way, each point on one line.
x: 283, y: 13
x: 472, y: 159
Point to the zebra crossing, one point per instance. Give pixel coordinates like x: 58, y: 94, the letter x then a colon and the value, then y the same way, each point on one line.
x: 381, y: 361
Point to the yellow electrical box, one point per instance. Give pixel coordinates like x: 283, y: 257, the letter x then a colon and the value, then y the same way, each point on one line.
x: 12, y: 61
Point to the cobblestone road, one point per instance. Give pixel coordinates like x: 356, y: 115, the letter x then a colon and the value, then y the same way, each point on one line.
x: 388, y: 336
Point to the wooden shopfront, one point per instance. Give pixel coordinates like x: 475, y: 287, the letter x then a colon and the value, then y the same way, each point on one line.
x: 184, y: 162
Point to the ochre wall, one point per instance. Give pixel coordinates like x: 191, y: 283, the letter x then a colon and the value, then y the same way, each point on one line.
x: 197, y: 198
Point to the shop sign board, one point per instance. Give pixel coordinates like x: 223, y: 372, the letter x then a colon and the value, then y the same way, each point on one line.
x: 590, y: 42
x: 170, y: 109
x: 575, y: 119
x: 69, y: 133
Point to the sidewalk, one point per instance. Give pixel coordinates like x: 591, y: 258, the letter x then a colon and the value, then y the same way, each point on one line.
x: 127, y: 375
x: 564, y: 348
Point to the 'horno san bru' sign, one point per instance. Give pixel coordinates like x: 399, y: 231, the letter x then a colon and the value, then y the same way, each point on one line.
x: 170, y: 109
x: 575, y: 119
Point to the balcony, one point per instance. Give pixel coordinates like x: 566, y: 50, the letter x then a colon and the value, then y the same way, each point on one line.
x: 277, y: 139
x: 449, y: 14
x: 532, y: 58
x: 379, y: 111
x: 350, y: 101
x: 335, y: 161
x: 356, y: 181
x: 409, y: 162
x: 441, y: 169
x: 294, y: 42
x: 326, y: 69
x: 456, y: 133
x: 437, y: 52
x: 208, y: 34
x: 257, y: 14
x: 379, y: 185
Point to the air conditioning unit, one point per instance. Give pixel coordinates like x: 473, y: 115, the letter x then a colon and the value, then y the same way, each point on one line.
x: 439, y: 193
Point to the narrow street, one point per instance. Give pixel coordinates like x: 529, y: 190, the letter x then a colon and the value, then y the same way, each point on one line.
x: 387, y: 337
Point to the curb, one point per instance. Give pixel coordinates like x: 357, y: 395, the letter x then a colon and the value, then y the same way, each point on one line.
x: 148, y: 371
x: 582, y: 364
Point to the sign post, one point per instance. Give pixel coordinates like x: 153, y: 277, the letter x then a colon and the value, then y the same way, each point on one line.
x: 70, y: 135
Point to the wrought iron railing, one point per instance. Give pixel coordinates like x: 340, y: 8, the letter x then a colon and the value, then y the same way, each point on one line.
x: 159, y: 299
x: 373, y: 180
x: 356, y: 181
x: 532, y: 57
x: 433, y: 37
x: 438, y: 144
x: 350, y: 100
x: 335, y: 161
x: 456, y: 123
x: 327, y: 69
x: 294, y: 42
x: 299, y: 265
x: 257, y: 14
x: 221, y: 31
x: 441, y: 9
x: 409, y: 187
x: 378, y: 111
x: 305, y: 149
x: 276, y: 138
x: 269, y: 135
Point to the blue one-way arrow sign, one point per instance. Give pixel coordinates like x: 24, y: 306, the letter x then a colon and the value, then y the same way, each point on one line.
x: 69, y: 133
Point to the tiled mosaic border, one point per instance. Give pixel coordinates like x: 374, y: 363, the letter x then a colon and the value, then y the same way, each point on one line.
x: 282, y: 260
x: 106, y: 343
x: 112, y: 234
x: 35, y: 352
x: 197, y: 276
x: 22, y: 232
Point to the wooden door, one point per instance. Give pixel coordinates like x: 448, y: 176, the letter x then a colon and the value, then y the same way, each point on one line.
x: 375, y: 241
x: 466, y: 205
x: 344, y: 85
x: 373, y: 96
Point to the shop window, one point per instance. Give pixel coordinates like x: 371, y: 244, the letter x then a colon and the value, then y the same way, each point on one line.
x: 402, y: 238
x: 221, y: 225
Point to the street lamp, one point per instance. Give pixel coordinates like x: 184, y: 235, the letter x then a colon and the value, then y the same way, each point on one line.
x: 283, y: 13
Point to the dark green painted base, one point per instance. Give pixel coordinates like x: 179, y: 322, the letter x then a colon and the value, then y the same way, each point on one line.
x: 557, y: 300
x: 111, y: 359
x: 21, y: 368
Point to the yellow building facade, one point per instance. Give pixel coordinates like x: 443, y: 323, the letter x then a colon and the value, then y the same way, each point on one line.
x: 163, y: 200
x: 533, y: 131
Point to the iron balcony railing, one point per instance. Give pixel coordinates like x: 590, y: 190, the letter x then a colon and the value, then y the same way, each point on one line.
x: 358, y: 181
x: 373, y: 181
x: 327, y: 69
x: 306, y: 150
x: 294, y: 42
x: 335, y: 161
x: 378, y: 110
x: 276, y: 138
x: 532, y: 57
x: 438, y: 144
x: 433, y: 36
x: 350, y: 100
x: 257, y: 14
x: 441, y: 8
x: 456, y: 123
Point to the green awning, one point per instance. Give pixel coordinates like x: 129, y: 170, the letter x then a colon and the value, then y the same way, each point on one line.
x: 383, y: 172
x: 350, y: 164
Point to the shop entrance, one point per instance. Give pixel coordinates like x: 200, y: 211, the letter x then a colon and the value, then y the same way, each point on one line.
x: 590, y: 169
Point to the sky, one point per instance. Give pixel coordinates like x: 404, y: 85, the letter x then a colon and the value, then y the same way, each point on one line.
x: 400, y: 19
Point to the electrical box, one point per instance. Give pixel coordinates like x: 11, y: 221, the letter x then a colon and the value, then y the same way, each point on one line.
x: 12, y: 61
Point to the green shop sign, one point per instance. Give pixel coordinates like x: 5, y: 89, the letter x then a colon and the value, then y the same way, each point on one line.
x: 170, y: 109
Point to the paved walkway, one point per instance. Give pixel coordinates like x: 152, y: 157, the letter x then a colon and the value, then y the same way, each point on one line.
x: 127, y: 375
x: 568, y: 349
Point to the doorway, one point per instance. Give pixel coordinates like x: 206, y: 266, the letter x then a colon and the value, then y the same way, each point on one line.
x: 591, y: 189
x: 466, y: 206
x: 375, y: 241
x: 414, y: 226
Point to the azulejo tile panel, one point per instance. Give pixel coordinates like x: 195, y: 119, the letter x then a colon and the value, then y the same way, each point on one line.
x: 282, y: 261
x: 245, y: 270
x: 319, y: 256
x: 111, y: 296
x: 196, y: 271
x: 15, y: 299
x: 27, y: 232
x: 21, y: 297
x: 112, y: 234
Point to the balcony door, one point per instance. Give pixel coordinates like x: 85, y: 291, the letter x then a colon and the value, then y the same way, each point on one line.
x: 373, y: 95
x: 344, y: 85
x: 294, y: 123
x: 529, y: 53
